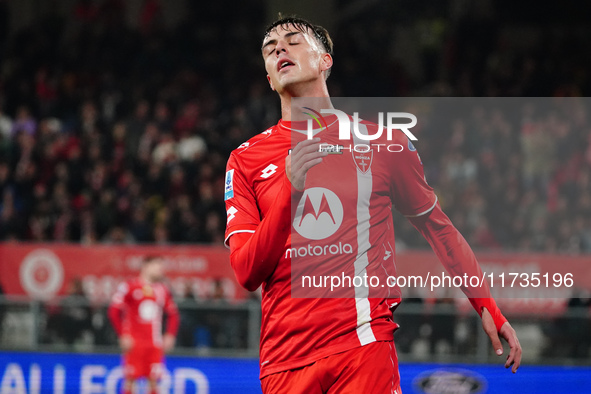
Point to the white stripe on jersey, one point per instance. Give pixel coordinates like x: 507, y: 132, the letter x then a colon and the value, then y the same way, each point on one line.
x: 394, y: 371
x: 424, y: 212
x: 364, y: 191
x: 227, y: 240
x: 157, y: 324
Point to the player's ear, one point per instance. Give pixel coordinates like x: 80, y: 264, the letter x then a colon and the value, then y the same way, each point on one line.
x: 270, y: 83
x: 325, y: 62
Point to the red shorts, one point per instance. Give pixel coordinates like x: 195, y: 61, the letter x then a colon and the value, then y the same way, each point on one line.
x: 372, y: 368
x: 143, y: 361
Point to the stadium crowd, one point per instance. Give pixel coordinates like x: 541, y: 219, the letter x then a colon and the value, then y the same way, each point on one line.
x: 118, y: 135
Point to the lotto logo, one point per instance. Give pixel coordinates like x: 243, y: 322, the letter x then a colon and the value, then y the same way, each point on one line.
x: 231, y: 213
x: 269, y: 170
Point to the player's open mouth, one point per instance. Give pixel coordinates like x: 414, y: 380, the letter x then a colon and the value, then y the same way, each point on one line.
x: 284, y: 64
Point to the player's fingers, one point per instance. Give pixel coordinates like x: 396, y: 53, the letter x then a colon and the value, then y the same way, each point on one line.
x: 309, y: 157
x: 491, y: 330
x: 306, y: 146
x: 311, y: 163
x: 517, y: 361
x: 308, y: 153
x: 298, y: 180
x: 514, y: 358
x: 298, y: 162
x: 510, y: 358
x: 496, y: 342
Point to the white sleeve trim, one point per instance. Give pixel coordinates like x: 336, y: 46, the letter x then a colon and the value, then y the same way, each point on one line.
x: 425, y: 212
x: 234, y: 232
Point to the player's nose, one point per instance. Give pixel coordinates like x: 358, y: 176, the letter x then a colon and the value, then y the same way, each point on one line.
x: 281, y: 47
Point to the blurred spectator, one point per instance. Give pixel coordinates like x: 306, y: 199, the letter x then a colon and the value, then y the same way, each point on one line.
x: 218, y: 293
x: 73, y: 316
x: 569, y: 334
x: 443, y: 326
x: 24, y: 122
x: 102, y: 330
x: 189, y: 318
x: 121, y: 134
x: 410, y: 321
x: 5, y: 126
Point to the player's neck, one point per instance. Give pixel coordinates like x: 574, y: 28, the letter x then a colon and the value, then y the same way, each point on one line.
x: 316, y: 90
x: 147, y: 279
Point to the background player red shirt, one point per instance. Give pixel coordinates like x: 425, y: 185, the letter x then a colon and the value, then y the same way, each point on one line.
x: 136, y: 313
x: 137, y: 310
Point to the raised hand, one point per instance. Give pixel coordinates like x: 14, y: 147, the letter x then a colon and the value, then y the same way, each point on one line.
x: 303, y: 156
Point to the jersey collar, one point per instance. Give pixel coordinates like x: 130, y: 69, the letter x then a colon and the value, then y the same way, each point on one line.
x: 302, y: 126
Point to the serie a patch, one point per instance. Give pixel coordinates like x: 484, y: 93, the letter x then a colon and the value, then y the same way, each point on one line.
x: 229, y: 185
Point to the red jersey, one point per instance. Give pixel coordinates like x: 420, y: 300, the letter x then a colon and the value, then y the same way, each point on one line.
x: 344, y: 216
x: 137, y: 310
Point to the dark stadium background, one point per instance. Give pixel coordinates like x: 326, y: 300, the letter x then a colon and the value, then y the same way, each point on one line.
x: 117, y: 118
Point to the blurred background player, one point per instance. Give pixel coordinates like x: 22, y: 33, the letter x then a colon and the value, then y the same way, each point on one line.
x: 136, y: 313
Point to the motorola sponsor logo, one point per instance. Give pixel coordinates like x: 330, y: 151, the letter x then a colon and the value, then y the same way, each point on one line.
x: 319, y: 215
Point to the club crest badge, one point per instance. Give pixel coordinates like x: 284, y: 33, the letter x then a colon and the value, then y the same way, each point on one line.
x: 363, y: 160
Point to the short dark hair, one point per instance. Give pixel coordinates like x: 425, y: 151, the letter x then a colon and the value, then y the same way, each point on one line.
x: 300, y: 24
x: 151, y: 257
